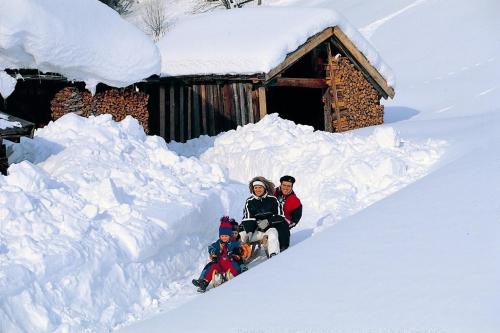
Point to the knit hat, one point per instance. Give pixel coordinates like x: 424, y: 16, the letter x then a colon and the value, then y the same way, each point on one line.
x: 225, y: 226
x: 258, y: 183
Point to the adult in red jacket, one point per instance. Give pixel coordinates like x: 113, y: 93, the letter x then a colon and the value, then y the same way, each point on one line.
x: 292, y: 208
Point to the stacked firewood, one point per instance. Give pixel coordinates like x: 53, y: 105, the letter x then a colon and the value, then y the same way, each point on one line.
x: 70, y: 100
x: 117, y: 102
x: 360, y: 101
x: 4, y: 163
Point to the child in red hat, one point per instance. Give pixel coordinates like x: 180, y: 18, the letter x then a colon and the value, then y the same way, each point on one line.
x: 224, y: 256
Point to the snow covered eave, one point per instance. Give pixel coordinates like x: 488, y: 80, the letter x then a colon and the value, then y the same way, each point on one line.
x: 342, y: 42
x: 337, y: 37
x: 203, y: 78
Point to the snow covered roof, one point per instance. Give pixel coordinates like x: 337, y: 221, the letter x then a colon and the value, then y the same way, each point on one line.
x: 80, y: 39
x: 251, y: 40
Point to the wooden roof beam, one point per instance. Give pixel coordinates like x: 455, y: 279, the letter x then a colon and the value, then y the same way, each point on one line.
x: 300, y: 52
x: 363, y: 62
x: 299, y: 82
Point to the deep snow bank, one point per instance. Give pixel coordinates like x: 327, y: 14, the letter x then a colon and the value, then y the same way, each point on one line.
x: 337, y: 174
x: 97, y: 224
x: 101, y: 223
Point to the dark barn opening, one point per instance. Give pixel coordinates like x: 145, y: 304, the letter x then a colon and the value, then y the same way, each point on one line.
x: 300, y: 105
x: 31, y: 99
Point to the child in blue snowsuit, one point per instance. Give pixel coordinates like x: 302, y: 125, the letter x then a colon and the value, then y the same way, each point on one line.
x: 224, y: 256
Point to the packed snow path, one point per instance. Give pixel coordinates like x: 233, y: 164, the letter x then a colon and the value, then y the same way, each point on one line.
x: 102, y: 224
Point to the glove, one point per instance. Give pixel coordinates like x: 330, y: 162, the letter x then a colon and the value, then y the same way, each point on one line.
x: 263, y: 224
x: 213, y: 257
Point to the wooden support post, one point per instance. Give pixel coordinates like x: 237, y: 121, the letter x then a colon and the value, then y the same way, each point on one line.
x: 327, y: 110
x: 262, y: 102
x: 236, y: 104
x: 196, y: 111
x: 335, y: 103
x: 182, y: 114
x: 163, y: 115
x: 243, y: 104
x: 226, y: 96
x: 220, y: 109
x: 189, y: 112
x: 203, y: 97
x: 172, y: 112
x: 255, y: 104
x: 211, y: 109
x: 248, y: 90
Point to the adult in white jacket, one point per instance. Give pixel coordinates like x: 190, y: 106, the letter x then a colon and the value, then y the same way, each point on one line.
x: 261, y: 211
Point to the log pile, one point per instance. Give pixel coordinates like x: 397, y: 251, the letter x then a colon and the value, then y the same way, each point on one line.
x: 68, y: 100
x: 358, y: 101
x: 117, y: 102
x: 4, y: 163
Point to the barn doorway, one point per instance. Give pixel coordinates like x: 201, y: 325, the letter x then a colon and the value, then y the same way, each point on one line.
x: 300, y: 105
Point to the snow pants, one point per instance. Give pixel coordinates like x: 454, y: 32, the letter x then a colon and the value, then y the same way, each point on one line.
x: 283, y: 234
x: 273, y: 244
x: 206, y: 269
x: 224, y: 266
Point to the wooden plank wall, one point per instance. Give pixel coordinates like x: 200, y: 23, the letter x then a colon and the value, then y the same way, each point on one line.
x: 188, y: 111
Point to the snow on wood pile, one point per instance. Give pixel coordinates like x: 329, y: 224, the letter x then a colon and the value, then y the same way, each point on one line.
x: 251, y: 40
x: 77, y: 39
x: 118, y: 103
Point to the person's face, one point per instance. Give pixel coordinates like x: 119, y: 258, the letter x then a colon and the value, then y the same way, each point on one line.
x: 258, y: 190
x: 234, y: 234
x: 286, y: 187
x: 224, y: 238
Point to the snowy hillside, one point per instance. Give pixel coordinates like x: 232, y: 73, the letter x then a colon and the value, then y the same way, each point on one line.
x: 103, y: 227
x: 423, y: 259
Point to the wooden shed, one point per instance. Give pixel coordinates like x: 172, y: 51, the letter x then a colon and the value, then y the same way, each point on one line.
x: 324, y: 80
x: 326, y: 83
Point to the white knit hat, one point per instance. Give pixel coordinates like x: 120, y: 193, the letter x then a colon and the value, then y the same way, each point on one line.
x: 258, y: 183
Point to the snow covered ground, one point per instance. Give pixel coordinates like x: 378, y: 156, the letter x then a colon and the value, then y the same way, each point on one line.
x: 100, y: 221
x: 422, y: 259
x: 102, y: 225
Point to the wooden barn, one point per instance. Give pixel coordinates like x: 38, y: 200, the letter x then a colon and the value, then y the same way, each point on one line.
x: 326, y: 83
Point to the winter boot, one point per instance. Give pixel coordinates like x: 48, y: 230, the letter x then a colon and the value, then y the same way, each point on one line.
x: 196, y: 282
x: 217, y: 279
x: 203, y: 284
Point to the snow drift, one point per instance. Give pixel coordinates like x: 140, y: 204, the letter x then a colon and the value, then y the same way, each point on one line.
x: 101, y: 223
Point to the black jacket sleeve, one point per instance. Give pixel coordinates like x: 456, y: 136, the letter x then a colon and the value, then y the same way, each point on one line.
x: 296, y: 215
